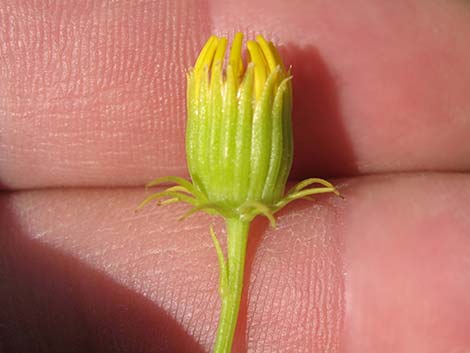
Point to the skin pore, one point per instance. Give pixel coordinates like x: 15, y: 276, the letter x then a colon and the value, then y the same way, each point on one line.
x: 92, y: 101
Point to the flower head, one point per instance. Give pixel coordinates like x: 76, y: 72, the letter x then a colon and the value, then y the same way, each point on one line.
x: 238, y: 134
x: 239, y: 152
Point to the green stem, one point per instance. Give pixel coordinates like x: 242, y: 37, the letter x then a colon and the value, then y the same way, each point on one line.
x: 231, y: 292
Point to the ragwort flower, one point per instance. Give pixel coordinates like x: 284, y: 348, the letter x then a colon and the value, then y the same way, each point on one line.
x: 239, y: 153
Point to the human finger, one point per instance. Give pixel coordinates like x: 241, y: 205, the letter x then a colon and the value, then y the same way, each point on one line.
x: 352, y: 275
x: 94, y: 95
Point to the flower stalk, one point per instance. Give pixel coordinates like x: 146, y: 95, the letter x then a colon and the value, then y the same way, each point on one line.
x: 231, y: 287
x: 239, y: 151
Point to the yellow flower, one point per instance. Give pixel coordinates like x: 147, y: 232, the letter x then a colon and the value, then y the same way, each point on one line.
x: 239, y: 153
x: 239, y: 136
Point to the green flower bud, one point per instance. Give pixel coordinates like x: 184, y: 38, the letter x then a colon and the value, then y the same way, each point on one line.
x: 239, y: 134
x: 239, y: 152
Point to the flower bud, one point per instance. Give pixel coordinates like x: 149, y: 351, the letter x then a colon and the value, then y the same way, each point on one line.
x: 239, y: 152
x: 239, y: 134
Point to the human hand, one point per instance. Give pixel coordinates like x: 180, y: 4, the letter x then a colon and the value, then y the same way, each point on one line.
x: 92, y: 107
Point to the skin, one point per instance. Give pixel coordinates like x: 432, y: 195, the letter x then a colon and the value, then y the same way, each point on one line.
x: 92, y: 107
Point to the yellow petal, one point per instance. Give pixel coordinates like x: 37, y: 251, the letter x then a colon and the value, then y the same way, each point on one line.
x: 220, y: 52
x: 260, y: 68
x: 207, y: 53
x: 235, y: 59
x: 268, y: 54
